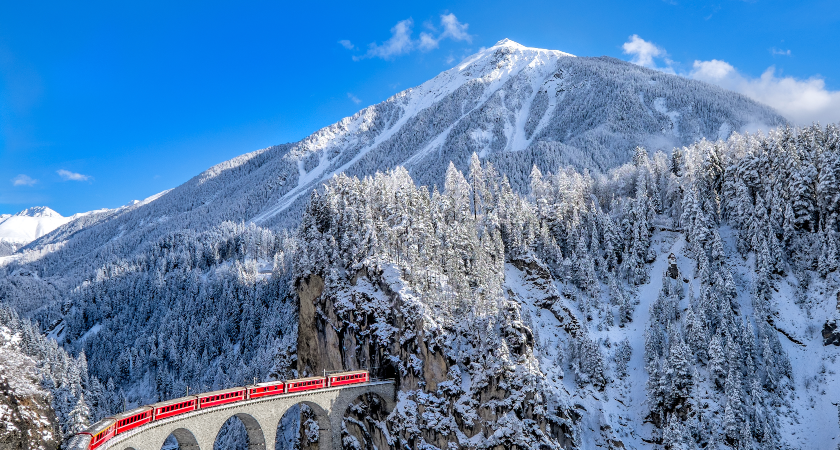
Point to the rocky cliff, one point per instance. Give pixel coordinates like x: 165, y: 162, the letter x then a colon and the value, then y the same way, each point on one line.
x: 27, y: 420
x: 454, y: 388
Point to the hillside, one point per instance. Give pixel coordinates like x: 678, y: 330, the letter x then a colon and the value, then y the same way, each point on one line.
x: 24, y: 227
x: 679, y: 301
x: 673, y: 299
x: 512, y: 105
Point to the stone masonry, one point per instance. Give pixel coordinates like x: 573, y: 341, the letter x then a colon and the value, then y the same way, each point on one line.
x: 197, y: 430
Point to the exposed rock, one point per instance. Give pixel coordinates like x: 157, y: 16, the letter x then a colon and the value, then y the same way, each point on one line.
x: 831, y: 335
x: 27, y: 420
x: 367, y: 324
x: 673, y: 270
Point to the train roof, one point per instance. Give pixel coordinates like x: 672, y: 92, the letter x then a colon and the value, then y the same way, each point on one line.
x: 267, y: 383
x: 223, y: 391
x: 100, y: 426
x: 351, y: 372
x: 133, y: 412
x: 79, y: 442
x: 305, y: 379
x: 173, y: 401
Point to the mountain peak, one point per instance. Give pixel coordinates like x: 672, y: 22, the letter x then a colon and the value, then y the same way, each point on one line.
x: 38, y: 211
x: 508, y: 43
x: 516, y: 46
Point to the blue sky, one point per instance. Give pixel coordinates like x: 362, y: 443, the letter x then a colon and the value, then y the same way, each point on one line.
x: 104, y: 103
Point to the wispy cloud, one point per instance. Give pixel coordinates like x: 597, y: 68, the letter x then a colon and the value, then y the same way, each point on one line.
x: 644, y: 52
x: 23, y: 180
x: 399, y: 43
x: 779, y: 52
x: 67, y: 175
x: 802, y: 101
x: 453, y: 29
x: 353, y: 98
x: 402, y: 42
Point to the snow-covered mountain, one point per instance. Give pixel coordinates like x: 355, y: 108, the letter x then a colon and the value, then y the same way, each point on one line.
x: 668, y: 300
x: 512, y: 105
x: 30, y: 224
x: 26, y: 226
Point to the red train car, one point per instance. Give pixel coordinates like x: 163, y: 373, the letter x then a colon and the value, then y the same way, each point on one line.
x: 265, y: 389
x: 217, y: 398
x: 94, y: 436
x: 170, y: 408
x: 340, y: 379
x: 133, y: 419
x: 305, y: 384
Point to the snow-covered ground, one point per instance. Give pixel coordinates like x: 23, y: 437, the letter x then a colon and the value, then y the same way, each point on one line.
x: 30, y: 224
x: 24, y: 403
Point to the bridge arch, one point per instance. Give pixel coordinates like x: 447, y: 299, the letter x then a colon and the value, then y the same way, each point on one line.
x: 322, y: 420
x: 253, y: 430
x: 186, y: 439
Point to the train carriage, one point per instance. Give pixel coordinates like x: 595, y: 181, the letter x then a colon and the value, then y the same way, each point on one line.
x: 174, y: 407
x: 94, y: 436
x: 265, y: 389
x: 340, y: 379
x: 133, y: 419
x: 305, y: 384
x: 222, y: 397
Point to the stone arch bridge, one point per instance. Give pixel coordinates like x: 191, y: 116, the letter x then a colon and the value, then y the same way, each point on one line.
x: 197, y: 430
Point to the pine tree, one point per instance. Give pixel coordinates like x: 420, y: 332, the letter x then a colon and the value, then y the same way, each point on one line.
x: 79, y: 417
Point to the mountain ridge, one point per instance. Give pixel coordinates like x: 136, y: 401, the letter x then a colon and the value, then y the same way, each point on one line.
x: 515, y: 106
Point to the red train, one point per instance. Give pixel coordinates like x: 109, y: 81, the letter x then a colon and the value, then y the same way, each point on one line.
x: 105, y: 429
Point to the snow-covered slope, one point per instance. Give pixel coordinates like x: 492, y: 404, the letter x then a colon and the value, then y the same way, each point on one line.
x: 30, y: 224
x: 678, y: 301
x: 513, y: 105
x: 27, y: 419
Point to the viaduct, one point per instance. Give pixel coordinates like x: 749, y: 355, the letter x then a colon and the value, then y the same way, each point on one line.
x: 197, y: 430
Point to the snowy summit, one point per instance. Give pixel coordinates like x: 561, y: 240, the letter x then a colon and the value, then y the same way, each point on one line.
x: 30, y: 224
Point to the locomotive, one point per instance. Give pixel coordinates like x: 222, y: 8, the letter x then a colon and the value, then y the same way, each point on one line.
x: 100, y: 432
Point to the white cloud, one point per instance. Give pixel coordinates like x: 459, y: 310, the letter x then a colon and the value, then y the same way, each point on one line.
x: 643, y: 51
x: 427, y: 42
x: 453, y: 29
x: 23, y: 180
x: 401, y: 41
x: 67, y: 175
x: 800, y: 101
x: 644, y: 54
x: 347, y: 44
x: 353, y: 98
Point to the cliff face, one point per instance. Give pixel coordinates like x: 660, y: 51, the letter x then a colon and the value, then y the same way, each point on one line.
x: 471, y: 385
x: 27, y: 420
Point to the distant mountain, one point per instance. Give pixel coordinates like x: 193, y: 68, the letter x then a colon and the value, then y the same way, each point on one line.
x: 28, y: 225
x: 514, y: 106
